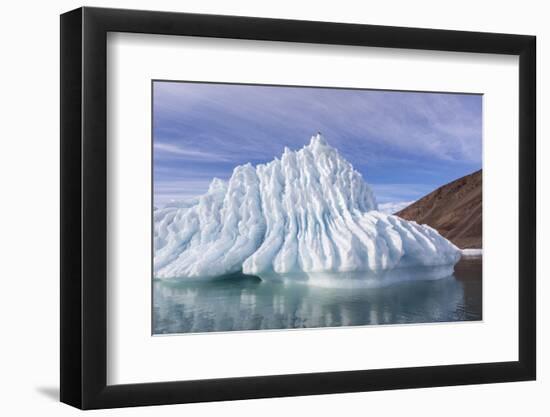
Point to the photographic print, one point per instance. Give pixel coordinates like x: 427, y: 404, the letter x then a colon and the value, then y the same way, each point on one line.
x: 293, y: 207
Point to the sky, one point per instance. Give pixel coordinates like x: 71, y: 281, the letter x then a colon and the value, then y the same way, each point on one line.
x: 405, y: 144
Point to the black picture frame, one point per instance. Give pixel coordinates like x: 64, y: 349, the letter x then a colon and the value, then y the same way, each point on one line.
x: 84, y: 207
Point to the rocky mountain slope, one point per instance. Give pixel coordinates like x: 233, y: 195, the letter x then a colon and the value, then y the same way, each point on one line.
x: 454, y: 210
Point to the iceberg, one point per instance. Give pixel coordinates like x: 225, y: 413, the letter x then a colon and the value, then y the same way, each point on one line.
x: 307, y: 212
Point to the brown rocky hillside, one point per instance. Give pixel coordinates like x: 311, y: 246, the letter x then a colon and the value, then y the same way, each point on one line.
x: 454, y: 210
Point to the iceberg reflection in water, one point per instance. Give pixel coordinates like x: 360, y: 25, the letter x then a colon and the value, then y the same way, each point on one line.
x: 248, y: 303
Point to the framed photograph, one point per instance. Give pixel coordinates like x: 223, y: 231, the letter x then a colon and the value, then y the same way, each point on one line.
x: 258, y: 208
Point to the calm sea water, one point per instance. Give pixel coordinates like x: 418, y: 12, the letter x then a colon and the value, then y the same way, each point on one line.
x: 247, y: 303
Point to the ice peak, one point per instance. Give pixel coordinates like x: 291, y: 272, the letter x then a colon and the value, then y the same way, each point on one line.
x: 317, y: 140
x: 217, y: 185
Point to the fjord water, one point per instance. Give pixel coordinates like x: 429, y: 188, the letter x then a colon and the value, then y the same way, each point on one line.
x: 244, y: 302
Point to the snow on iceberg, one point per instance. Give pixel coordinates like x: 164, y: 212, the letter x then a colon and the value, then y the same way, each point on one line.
x: 307, y: 212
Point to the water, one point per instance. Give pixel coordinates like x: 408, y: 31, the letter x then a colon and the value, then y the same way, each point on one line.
x: 245, y: 302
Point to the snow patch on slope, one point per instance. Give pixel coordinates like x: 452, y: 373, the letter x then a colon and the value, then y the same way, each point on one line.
x: 472, y: 253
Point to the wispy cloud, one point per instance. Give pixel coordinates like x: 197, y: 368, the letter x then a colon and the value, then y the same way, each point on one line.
x: 187, y: 153
x: 202, y: 130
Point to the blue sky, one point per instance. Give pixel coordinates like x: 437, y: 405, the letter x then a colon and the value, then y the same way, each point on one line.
x: 405, y: 144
